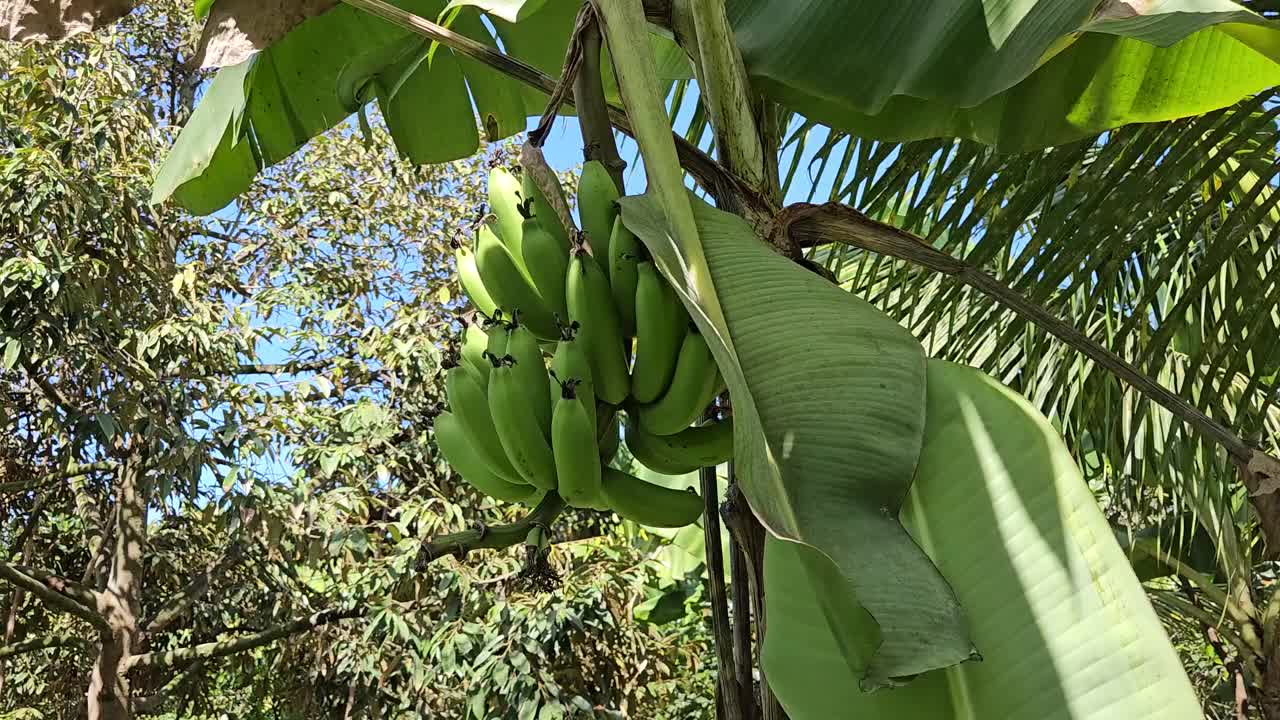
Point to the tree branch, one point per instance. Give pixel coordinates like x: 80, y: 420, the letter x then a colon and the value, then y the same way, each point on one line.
x: 222, y: 648
x: 174, y: 607
x: 151, y: 703
x: 51, y: 393
x: 17, y: 486
x: 494, y: 538
x: 69, y: 588
x: 72, y: 471
x: 29, y: 527
x: 45, y: 642
x: 457, y: 544
x: 59, y: 598
x: 810, y: 225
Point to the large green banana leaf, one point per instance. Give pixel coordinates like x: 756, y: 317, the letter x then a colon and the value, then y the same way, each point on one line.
x: 1012, y: 73
x: 261, y: 111
x: 1063, y: 626
x: 828, y: 403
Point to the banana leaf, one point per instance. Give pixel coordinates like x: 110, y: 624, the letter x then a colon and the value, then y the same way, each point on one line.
x: 1064, y: 629
x: 828, y: 403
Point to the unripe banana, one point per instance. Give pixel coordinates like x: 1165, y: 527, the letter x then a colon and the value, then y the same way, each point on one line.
x: 661, y: 322
x: 591, y: 305
x: 475, y: 341
x: 471, y: 408
x: 715, y: 386
x: 624, y: 257
x: 597, y: 208
x: 456, y: 447
x: 472, y: 285
x: 646, y: 503
x: 682, y: 403
x: 545, y: 211
x: 686, y: 451
x: 574, y: 446
x: 610, y: 438
x: 510, y: 286
x: 530, y: 372
x: 570, y: 361
x: 497, y: 347
x: 504, y: 197
x: 547, y: 260
x: 518, y: 430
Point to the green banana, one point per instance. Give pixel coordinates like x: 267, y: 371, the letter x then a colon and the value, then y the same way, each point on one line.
x: 518, y: 429
x: 591, y: 305
x: 545, y: 211
x: 574, y: 447
x: 471, y: 407
x: 686, y: 451
x: 610, y: 438
x: 547, y: 260
x: 624, y: 257
x: 504, y: 197
x: 715, y: 385
x: 646, y: 503
x: 455, y: 445
x: 469, y: 277
x: 661, y: 322
x: 530, y: 373
x: 597, y: 208
x: 497, y: 347
x: 475, y: 341
x: 570, y: 361
x: 510, y: 285
x: 681, y: 404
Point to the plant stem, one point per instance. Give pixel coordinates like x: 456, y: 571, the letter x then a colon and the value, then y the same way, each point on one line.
x: 727, y: 668
x: 746, y: 528
x: 496, y: 537
x: 593, y: 111
x: 740, y: 586
x: 726, y: 93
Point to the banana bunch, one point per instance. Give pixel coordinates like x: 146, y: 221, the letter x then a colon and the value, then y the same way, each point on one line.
x: 580, y: 328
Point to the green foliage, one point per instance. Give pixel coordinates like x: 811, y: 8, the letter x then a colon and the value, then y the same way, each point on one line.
x: 1060, y: 622
x: 1017, y: 75
x: 282, y: 362
x: 336, y: 64
x: 801, y: 452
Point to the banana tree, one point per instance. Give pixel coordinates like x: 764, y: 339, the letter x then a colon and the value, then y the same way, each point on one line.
x: 882, y: 478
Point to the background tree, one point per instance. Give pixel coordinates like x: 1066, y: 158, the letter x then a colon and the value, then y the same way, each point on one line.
x: 218, y: 435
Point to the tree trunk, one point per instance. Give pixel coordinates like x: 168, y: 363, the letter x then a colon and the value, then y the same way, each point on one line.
x: 108, y: 695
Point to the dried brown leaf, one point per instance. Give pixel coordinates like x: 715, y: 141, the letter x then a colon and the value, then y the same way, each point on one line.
x: 45, y: 20
x: 236, y: 29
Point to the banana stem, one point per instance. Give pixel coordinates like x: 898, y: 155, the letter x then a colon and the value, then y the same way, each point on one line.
x: 746, y: 529
x: 740, y: 587
x: 495, y: 537
x: 593, y: 111
x: 731, y: 695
